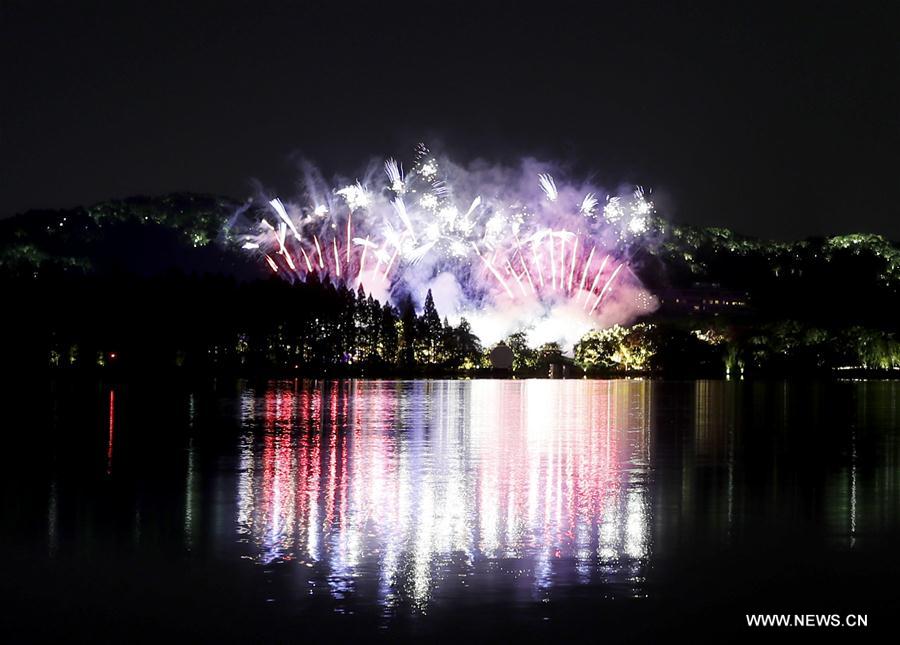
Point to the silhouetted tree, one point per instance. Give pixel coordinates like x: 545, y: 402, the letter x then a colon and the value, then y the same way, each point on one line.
x: 466, y: 349
x: 389, y: 335
x: 524, y: 357
x: 409, y: 332
x: 430, y: 330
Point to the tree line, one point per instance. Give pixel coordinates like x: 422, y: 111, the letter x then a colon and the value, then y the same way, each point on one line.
x: 716, y: 348
x: 217, y: 323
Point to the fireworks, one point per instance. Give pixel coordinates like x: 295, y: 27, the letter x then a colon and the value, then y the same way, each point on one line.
x: 518, y: 246
x: 548, y: 186
x: 356, y: 197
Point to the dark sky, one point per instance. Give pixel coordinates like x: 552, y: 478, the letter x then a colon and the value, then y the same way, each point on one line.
x: 774, y: 120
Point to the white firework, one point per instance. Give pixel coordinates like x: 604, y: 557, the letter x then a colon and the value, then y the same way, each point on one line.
x: 429, y: 202
x: 459, y: 248
x: 641, y: 205
x: 429, y: 169
x: 400, y: 209
x: 394, y: 173
x: 493, y: 229
x: 448, y: 215
x: 355, y: 195
x: 548, y: 186
x: 638, y: 225
x: 278, y: 207
x: 613, y: 211
x: 588, y: 204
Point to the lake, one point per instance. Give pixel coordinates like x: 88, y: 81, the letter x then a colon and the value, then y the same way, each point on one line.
x: 485, y: 510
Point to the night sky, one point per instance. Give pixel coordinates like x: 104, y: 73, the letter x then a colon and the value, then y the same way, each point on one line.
x: 775, y: 121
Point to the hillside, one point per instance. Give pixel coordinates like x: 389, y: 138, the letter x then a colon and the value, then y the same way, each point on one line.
x: 142, y: 236
x: 848, y: 279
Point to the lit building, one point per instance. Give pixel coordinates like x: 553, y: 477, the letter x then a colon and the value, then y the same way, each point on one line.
x: 707, y: 298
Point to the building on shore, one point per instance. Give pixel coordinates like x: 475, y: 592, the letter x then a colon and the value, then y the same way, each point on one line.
x: 705, y: 297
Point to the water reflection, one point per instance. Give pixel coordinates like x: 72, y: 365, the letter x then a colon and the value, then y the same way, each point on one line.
x: 425, y: 484
x: 112, y: 431
x: 501, y: 500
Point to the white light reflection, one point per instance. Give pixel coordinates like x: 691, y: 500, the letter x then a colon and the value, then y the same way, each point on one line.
x: 432, y: 484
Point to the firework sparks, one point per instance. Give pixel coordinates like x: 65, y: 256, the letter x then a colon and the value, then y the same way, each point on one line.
x: 289, y: 259
x: 282, y: 213
x: 400, y: 209
x: 337, y: 258
x: 574, y: 258
x: 606, y: 287
x: 438, y: 219
x: 613, y: 211
x: 548, y: 185
x: 596, y: 280
x: 390, y: 263
x: 587, y: 266
x: 365, y: 244
x: 394, y: 172
x: 319, y: 251
x: 309, y: 268
x: 355, y: 195
x: 494, y: 271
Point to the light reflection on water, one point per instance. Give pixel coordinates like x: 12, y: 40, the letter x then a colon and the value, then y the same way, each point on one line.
x: 423, y: 484
x: 414, y: 505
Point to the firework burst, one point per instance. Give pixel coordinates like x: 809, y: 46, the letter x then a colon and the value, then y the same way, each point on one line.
x: 512, y: 245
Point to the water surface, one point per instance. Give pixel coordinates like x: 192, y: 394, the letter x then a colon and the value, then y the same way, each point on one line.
x: 478, y: 509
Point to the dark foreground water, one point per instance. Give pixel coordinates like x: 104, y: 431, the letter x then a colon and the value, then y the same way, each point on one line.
x: 476, y: 510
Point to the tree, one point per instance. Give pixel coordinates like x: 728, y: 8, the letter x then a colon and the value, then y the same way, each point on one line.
x: 524, y: 357
x: 596, y: 349
x: 430, y: 331
x: 388, y: 341
x: 409, y: 332
x: 467, y: 351
x: 618, y: 348
x: 447, y: 348
x: 547, y: 354
x: 363, y: 324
